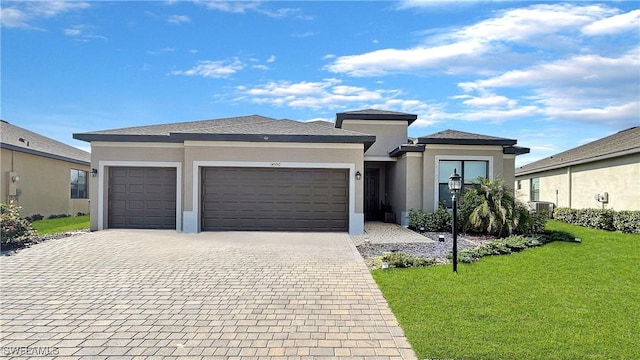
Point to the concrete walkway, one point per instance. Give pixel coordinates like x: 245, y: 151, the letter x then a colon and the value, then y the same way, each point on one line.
x: 161, y: 295
x: 386, y: 233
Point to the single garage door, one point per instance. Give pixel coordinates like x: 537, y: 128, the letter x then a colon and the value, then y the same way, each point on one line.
x: 275, y: 199
x: 142, y: 198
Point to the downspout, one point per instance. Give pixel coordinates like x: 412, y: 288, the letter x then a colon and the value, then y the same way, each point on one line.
x: 570, y: 180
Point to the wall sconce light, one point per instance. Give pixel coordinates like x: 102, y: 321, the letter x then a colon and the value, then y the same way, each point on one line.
x: 358, y: 175
x: 15, y: 178
x: 94, y: 172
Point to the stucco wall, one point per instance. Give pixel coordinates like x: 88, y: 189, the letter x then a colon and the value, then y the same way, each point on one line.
x: 461, y: 152
x: 45, y: 184
x: 398, y: 187
x: 389, y: 134
x: 253, y: 154
x: 124, y: 152
x: 578, y: 184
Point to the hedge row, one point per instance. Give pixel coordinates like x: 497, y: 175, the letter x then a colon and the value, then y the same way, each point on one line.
x: 604, y: 219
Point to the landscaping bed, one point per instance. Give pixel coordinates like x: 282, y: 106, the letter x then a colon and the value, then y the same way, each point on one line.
x: 371, y: 252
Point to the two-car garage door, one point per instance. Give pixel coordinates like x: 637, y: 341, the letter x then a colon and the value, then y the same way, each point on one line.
x: 233, y: 198
x: 275, y: 199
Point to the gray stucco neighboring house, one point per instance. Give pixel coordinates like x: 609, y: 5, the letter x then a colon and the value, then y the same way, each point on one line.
x: 41, y: 175
x: 258, y: 173
x: 601, y: 174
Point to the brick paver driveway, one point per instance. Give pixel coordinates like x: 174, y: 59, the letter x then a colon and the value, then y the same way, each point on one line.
x: 157, y: 294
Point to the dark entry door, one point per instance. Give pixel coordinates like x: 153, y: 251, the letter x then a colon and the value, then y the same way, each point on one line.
x: 372, y: 194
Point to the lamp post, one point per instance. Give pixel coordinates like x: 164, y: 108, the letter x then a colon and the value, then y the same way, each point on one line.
x: 455, y: 184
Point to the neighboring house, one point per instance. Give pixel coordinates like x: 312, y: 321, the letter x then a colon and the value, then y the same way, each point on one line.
x: 601, y: 174
x: 258, y: 173
x: 42, y: 175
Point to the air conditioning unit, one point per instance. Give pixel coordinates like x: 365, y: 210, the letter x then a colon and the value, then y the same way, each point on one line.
x: 542, y: 206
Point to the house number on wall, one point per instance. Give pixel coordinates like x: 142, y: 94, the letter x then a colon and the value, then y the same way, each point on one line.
x: 275, y: 164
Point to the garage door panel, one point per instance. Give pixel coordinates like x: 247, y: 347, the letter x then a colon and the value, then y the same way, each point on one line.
x: 142, y: 198
x: 274, y: 199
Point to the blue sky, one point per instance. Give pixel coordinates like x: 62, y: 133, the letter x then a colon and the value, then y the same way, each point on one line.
x: 553, y: 75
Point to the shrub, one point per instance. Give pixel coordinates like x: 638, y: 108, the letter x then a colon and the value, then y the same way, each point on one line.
x: 511, y: 244
x: 604, y: 219
x: 627, y: 221
x: 490, y: 208
x: 14, y: 230
x: 34, y: 217
x: 417, y: 218
x: 58, y: 216
x: 404, y: 260
x: 437, y: 221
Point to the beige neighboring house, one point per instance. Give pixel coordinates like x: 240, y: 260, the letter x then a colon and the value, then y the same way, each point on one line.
x: 601, y: 174
x: 42, y: 175
x: 258, y: 173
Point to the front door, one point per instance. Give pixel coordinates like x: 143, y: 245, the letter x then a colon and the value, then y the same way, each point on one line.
x: 372, y: 194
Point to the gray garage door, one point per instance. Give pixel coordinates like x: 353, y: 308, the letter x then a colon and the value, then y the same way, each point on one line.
x: 275, y: 199
x: 142, y: 198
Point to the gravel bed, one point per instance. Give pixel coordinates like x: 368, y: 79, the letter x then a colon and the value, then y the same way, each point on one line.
x: 437, y: 250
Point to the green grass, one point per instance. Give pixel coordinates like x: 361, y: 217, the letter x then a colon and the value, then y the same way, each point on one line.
x: 560, y: 301
x: 51, y: 226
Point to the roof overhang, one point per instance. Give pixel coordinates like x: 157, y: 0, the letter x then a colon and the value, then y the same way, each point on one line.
x: 457, y: 141
x: 340, y: 117
x: 403, y: 149
x: 577, y: 162
x: 515, y: 150
x: 367, y: 140
x: 43, y: 154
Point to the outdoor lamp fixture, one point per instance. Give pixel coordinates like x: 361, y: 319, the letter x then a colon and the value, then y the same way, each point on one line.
x: 358, y: 175
x: 455, y: 184
x: 94, y: 172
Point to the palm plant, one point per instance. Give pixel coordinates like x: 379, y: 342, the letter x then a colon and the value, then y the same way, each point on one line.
x: 491, y: 208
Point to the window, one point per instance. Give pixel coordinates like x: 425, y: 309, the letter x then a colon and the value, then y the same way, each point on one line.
x: 519, y: 184
x: 470, y: 170
x: 78, y: 184
x: 535, y: 189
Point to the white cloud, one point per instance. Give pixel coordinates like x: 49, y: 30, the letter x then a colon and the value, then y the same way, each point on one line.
x: 260, y: 67
x: 325, y: 94
x: 12, y: 17
x: 82, y: 33
x: 304, y: 34
x: 615, y: 24
x: 22, y: 14
x: 161, y: 51
x: 385, y: 61
x: 457, y: 50
x: 271, y: 59
x: 212, y: 69
x: 585, y: 88
x: 178, y: 19
x: 241, y: 7
x: 73, y: 32
x: 490, y: 100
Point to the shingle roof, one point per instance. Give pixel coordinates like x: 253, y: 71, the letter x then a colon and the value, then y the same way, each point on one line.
x: 374, y: 114
x: 622, y: 143
x: 464, y: 138
x: 15, y: 138
x: 242, y: 128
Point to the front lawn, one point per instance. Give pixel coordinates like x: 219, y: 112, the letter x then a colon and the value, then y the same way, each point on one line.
x: 559, y: 301
x: 51, y: 226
